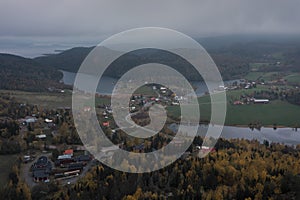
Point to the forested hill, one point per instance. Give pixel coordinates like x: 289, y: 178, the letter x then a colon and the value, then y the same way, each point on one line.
x: 18, y: 73
x: 233, y: 56
x: 231, y: 66
x: 69, y: 60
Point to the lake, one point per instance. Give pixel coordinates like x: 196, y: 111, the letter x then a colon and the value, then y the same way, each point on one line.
x: 106, y: 84
x: 286, y: 136
x: 281, y: 135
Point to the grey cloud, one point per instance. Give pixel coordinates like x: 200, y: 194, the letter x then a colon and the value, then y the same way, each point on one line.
x: 70, y: 21
x: 89, y: 18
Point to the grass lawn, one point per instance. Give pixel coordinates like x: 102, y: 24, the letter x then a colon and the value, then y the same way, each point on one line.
x: 7, y: 161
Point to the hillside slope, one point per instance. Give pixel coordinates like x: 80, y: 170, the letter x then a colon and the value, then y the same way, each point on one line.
x: 18, y: 73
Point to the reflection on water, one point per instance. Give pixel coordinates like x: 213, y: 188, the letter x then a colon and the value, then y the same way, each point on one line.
x: 287, y: 136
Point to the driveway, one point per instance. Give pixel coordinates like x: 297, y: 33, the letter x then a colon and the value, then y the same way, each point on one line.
x: 25, y: 173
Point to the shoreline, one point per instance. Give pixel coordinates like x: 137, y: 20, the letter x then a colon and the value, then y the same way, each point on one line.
x: 265, y: 126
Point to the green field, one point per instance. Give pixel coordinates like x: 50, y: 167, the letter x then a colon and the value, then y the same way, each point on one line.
x: 7, y: 161
x: 48, y: 100
x: 290, y: 77
x: 146, y: 91
x: 266, y: 76
x: 256, y: 66
x: 280, y: 112
x: 293, y: 78
x: 253, y: 76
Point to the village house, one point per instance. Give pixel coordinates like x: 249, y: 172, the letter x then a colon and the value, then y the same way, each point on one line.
x: 261, y: 101
x: 41, y: 169
x: 69, y: 152
x: 83, y: 158
x: 41, y: 136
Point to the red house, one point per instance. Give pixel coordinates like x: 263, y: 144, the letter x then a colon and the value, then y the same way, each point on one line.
x: 68, y: 152
x: 106, y: 124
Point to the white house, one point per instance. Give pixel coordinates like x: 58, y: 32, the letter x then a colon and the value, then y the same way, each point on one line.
x: 261, y: 101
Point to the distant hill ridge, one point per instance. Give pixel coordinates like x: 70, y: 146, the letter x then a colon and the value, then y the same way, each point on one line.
x: 68, y: 60
x: 231, y: 54
x: 18, y: 73
x: 230, y: 66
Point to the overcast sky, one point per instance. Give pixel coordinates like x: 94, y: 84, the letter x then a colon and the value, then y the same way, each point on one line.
x: 43, y: 23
